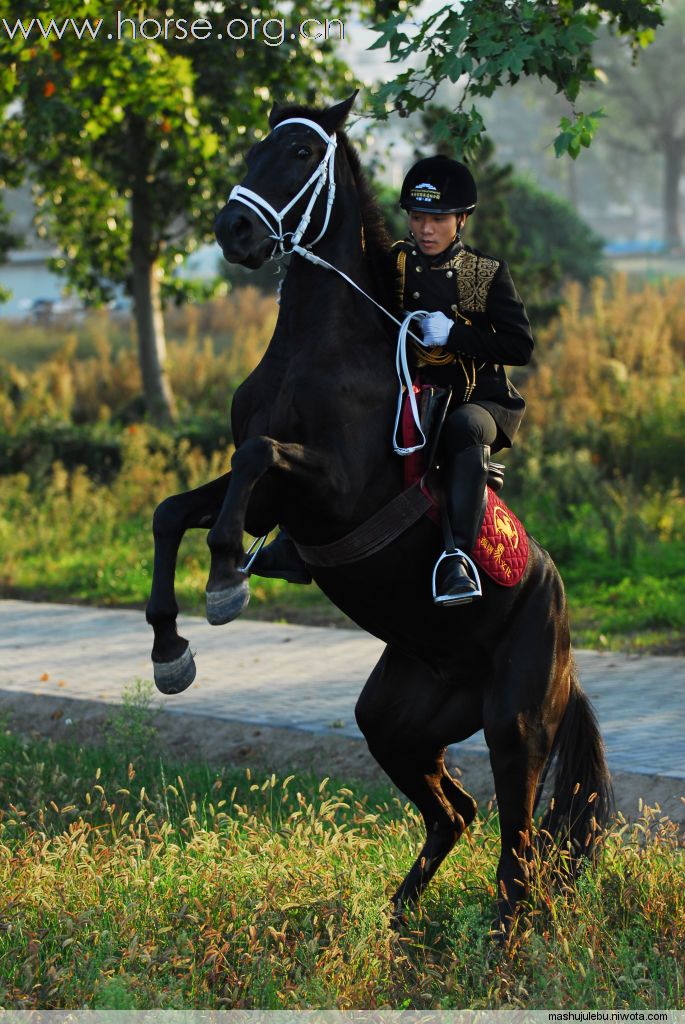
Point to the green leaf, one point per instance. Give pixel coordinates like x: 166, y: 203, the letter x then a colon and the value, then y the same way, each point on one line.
x: 562, y: 142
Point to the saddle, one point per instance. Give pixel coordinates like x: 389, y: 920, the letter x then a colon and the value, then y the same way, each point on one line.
x: 432, y: 402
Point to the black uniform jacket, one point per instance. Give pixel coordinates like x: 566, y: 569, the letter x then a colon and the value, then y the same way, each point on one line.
x: 468, y: 286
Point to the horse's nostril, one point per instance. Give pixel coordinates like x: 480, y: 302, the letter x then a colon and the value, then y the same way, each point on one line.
x: 242, y: 229
x: 233, y: 228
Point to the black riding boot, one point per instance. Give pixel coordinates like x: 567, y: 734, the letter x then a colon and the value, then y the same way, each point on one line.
x: 281, y: 560
x: 464, y: 484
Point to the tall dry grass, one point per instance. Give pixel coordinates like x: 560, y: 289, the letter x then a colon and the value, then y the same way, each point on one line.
x: 612, y: 366
x: 148, y: 885
x: 90, y: 374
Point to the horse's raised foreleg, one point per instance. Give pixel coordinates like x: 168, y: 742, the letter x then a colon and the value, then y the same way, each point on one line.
x: 174, y: 668
x: 522, y: 711
x: 408, y: 714
x: 227, y: 587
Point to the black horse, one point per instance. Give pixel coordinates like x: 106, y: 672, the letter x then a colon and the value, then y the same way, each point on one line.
x: 312, y: 426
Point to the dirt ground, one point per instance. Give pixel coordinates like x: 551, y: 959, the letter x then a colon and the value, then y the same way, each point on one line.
x: 188, y: 737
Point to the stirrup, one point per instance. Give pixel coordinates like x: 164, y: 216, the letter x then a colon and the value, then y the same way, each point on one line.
x: 450, y: 599
x: 258, y: 543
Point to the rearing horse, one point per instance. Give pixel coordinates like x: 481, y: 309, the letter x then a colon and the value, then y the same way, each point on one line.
x: 312, y: 426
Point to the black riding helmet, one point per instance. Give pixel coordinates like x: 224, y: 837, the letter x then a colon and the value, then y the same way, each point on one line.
x: 439, y: 185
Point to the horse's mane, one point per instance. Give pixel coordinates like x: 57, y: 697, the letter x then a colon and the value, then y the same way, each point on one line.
x: 377, y: 238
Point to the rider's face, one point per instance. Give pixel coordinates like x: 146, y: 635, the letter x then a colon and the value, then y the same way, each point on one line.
x: 434, y: 232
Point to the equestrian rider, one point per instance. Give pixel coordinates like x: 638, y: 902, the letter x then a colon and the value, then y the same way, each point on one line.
x: 476, y: 324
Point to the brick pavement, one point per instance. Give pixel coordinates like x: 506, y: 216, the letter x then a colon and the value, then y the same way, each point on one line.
x: 306, y: 677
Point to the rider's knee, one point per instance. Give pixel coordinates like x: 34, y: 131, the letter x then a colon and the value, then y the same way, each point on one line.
x: 469, y: 425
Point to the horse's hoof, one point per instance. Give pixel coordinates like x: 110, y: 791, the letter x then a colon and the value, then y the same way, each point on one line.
x: 225, y: 605
x: 177, y: 675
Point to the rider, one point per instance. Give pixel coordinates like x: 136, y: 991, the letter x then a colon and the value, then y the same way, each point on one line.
x: 476, y: 323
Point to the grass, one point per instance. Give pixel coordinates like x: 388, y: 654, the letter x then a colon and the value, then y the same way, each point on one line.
x: 638, y: 606
x: 130, y: 883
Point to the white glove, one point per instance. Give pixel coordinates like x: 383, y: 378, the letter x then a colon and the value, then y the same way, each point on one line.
x: 436, y: 328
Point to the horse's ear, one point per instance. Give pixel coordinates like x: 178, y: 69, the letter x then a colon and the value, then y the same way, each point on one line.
x: 334, y: 118
x: 273, y: 116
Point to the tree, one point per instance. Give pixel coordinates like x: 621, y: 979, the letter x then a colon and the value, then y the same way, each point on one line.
x: 484, y: 44
x: 646, y: 106
x: 126, y: 136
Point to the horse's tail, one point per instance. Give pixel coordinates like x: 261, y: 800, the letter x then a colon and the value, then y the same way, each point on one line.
x: 582, y: 801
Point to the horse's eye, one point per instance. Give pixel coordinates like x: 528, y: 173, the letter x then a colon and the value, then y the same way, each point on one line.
x: 303, y: 153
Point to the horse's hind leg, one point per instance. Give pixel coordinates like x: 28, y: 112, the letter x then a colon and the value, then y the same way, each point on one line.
x: 521, y: 714
x: 408, y: 714
x: 174, y: 668
x: 446, y: 808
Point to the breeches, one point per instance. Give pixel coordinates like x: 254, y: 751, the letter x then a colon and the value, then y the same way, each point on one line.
x: 466, y: 426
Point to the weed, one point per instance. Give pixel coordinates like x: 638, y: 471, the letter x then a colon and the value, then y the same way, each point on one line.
x: 131, y: 732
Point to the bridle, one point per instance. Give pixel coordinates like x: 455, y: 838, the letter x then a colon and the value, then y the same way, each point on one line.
x: 323, y: 173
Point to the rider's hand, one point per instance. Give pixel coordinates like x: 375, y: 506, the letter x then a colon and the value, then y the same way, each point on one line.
x: 436, y: 328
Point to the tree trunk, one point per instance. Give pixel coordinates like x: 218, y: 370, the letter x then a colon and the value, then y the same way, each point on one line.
x: 673, y: 167
x: 159, y: 397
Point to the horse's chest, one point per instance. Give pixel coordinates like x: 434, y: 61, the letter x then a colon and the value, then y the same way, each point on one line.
x: 300, y: 410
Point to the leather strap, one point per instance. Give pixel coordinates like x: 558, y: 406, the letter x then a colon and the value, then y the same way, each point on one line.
x: 375, y: 534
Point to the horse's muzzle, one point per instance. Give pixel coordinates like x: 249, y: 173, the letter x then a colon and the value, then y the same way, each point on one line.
x: 242, y: 237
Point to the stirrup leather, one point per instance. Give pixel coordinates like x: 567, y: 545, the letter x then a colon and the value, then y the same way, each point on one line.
x: 471, y: 571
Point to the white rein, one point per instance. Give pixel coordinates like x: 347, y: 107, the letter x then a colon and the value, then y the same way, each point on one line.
x: 264, y: 210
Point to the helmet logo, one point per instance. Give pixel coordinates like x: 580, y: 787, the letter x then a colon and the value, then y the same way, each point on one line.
x: 425, y: 192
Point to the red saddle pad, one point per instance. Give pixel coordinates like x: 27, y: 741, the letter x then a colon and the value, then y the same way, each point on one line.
x: 502, y: 546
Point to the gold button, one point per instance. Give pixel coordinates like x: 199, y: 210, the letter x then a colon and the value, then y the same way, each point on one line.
x: 448, y: 274
x: 416, y: 295
x: 419, y: 269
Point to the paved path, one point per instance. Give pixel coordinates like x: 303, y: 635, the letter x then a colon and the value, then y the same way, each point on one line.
x: 307, y: 677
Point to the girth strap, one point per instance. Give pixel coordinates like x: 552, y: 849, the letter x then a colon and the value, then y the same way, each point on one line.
x: 375, y: 534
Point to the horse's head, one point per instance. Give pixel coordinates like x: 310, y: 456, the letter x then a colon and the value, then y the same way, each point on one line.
x: 288, y: 180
